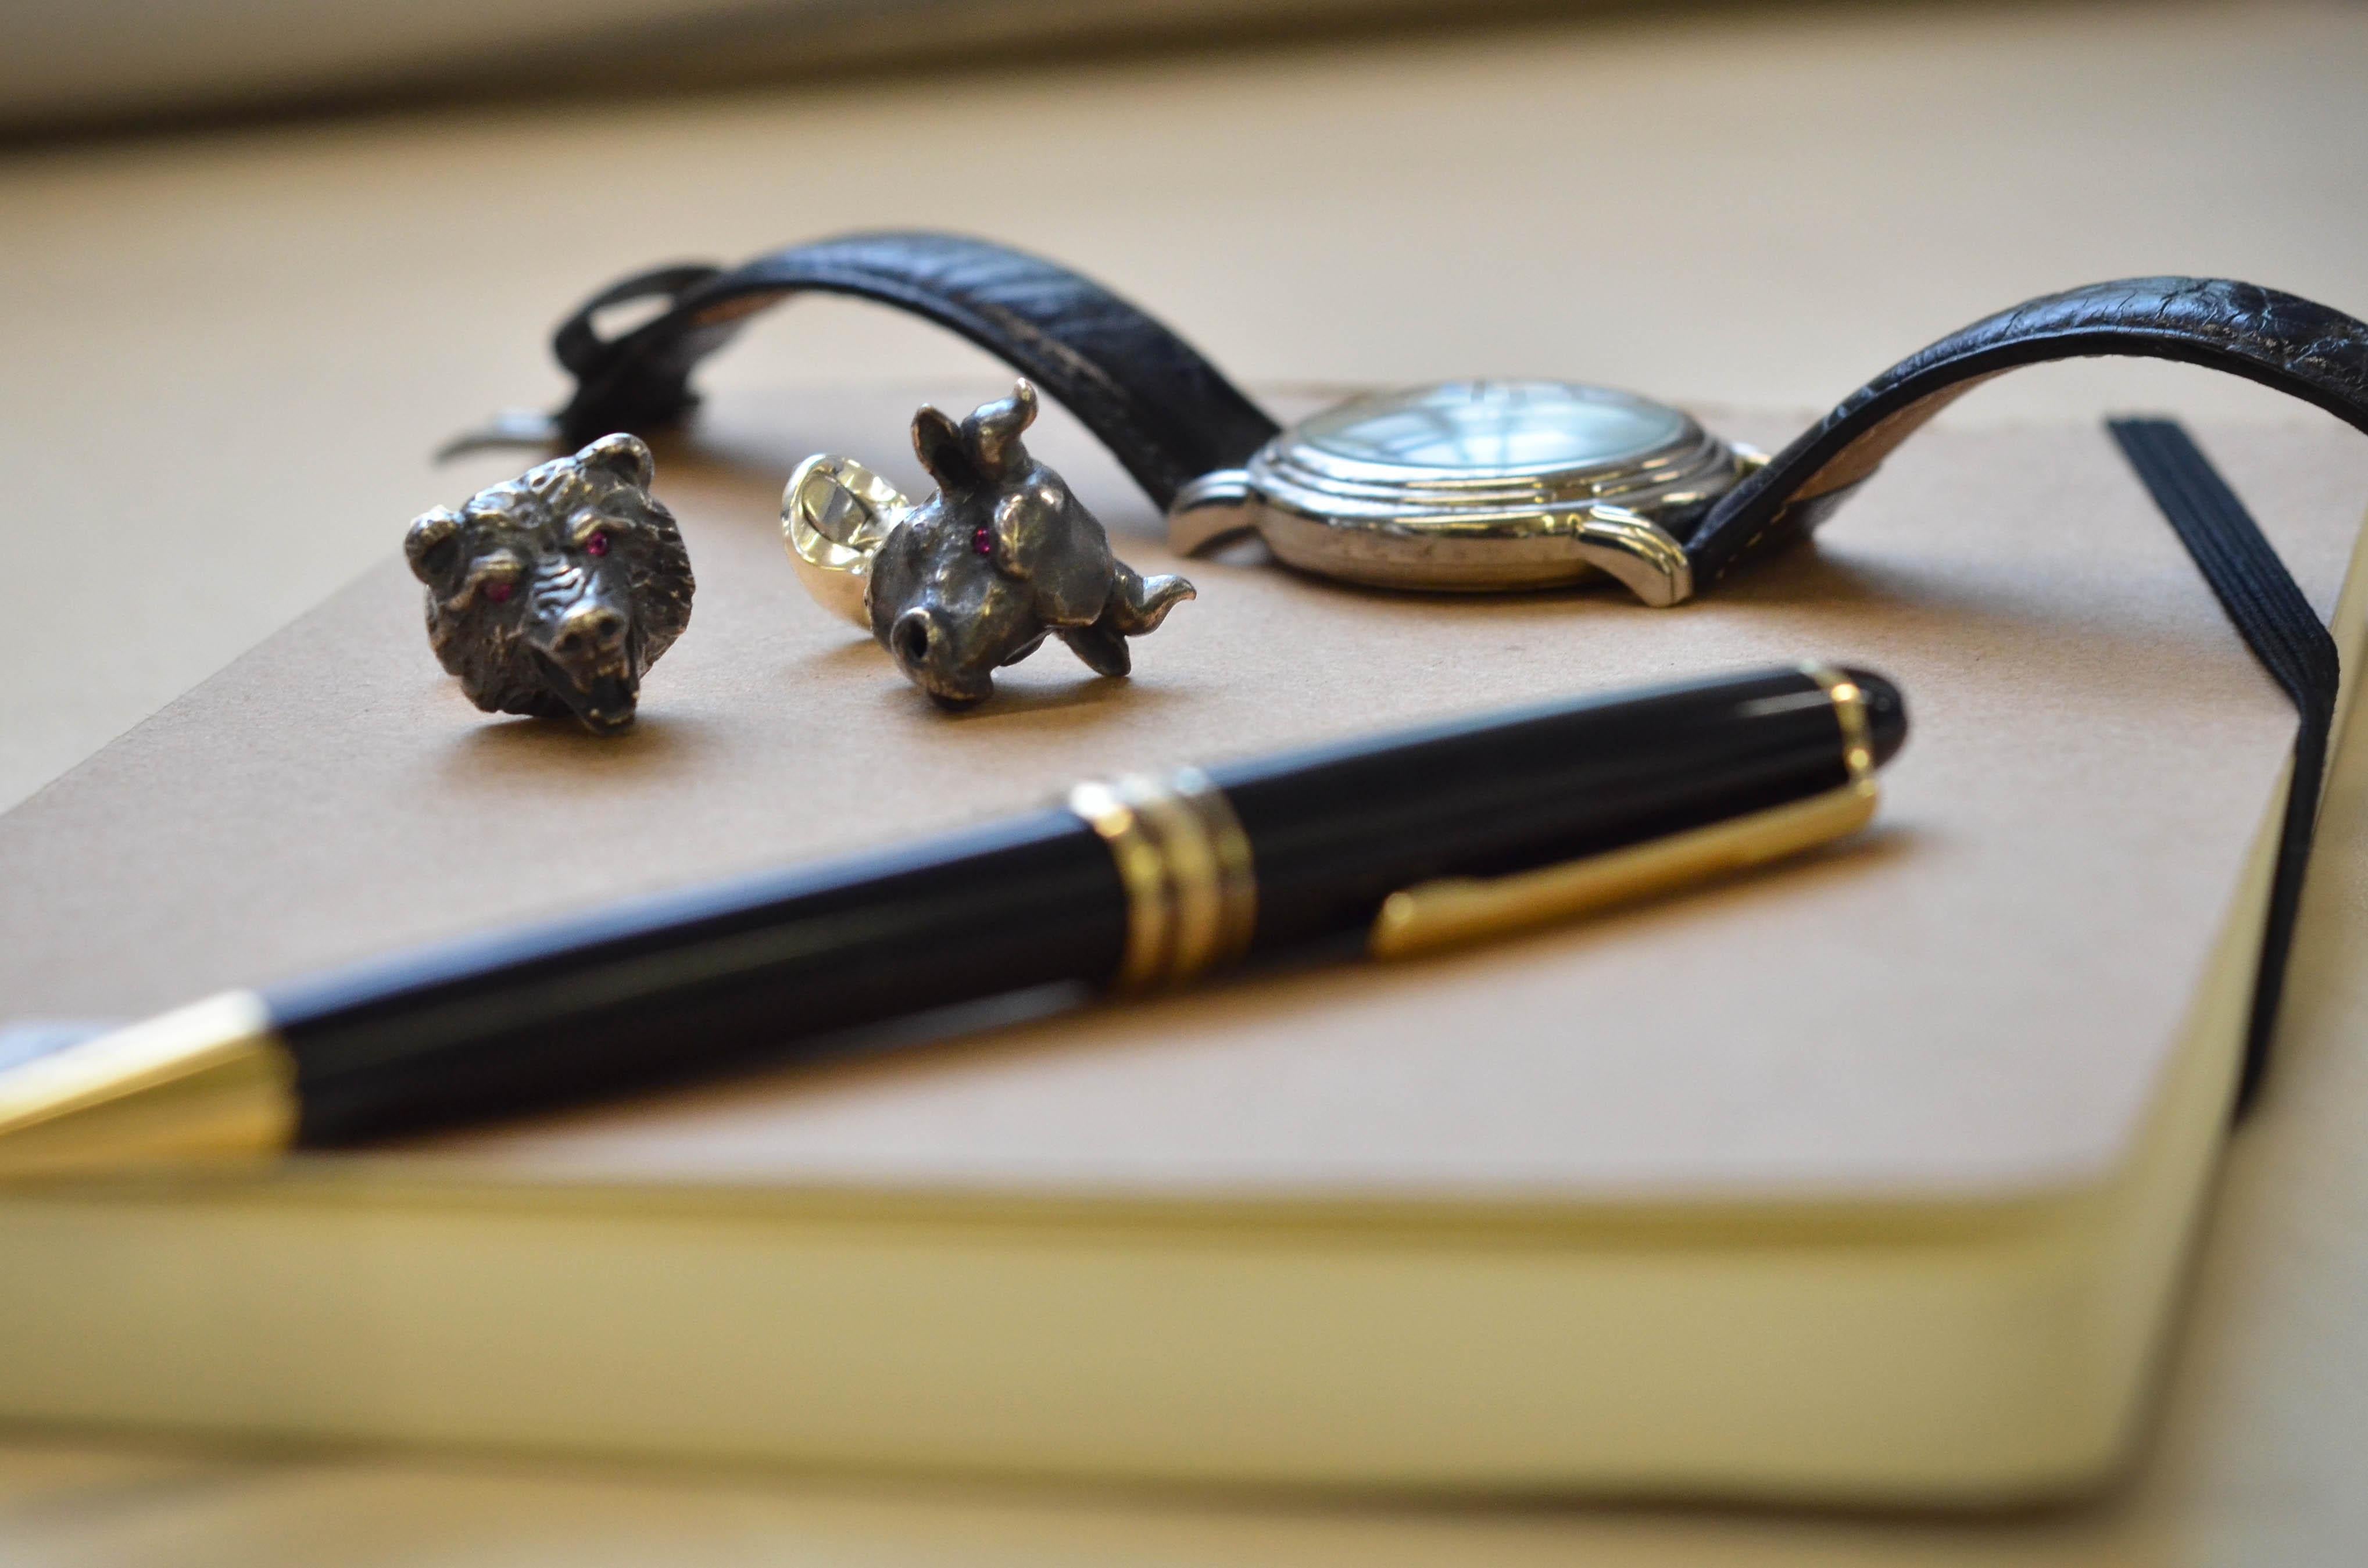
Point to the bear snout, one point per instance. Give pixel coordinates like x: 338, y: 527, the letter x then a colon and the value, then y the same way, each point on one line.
x: 590, y: 635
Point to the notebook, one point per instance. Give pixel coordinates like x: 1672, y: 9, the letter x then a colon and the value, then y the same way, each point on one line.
x: 1866, y: 1178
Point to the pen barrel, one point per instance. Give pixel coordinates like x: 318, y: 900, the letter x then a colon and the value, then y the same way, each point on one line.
x: 661, y: 987
x: 1297, y: 849
x: 1334, y: 833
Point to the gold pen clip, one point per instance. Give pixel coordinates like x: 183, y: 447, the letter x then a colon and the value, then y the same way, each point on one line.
x: 1455, y: 910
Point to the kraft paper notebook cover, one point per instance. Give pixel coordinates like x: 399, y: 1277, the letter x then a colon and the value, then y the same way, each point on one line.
x: 1868, y: 1177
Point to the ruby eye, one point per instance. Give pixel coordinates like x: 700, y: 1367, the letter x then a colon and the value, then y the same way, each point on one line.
x: 983, y: 541
x: 596, y: 545
x: 499, y: 590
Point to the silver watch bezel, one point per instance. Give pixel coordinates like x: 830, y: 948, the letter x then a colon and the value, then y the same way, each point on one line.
x: 1458, y: 530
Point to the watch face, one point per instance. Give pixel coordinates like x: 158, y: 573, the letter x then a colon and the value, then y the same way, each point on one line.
x: 1496, y: 427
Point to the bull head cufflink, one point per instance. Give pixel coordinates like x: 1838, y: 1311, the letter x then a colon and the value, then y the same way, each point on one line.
x: 553, y: 594
x: 979, y: 574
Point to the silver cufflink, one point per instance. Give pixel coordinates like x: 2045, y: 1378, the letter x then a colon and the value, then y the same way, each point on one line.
x: 979, y: 574
x: 553, y: 594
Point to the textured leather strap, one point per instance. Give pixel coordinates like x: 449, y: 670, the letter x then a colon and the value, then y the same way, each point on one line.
x: 1165, y: 413
x: 2279, y: 340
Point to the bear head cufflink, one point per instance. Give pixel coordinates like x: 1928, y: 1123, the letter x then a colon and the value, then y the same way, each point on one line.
x: 553, y: 594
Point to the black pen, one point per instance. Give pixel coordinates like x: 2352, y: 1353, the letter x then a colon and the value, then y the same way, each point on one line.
x: 1410, y: 842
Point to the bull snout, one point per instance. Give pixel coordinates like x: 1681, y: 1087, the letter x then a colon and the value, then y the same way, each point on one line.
x: 924, y: 647
x: 915, y: 635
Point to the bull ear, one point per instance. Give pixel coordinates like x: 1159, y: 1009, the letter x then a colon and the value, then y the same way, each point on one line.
x: 938, y: 442
x: 995, y: 428
x: 625, y: 457
x: 433, y: 547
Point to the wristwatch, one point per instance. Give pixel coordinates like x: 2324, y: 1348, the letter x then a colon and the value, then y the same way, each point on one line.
x: 1476, y: 485
x: 1464, y: 486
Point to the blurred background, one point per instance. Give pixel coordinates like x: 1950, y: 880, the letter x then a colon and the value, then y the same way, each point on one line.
x: 113, y: 62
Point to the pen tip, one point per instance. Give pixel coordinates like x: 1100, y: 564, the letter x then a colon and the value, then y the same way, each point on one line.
x: 207, y: 1082
x: 1886, y: 713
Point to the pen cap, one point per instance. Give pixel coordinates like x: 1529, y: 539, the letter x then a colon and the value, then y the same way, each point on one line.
x: 1334, y: 832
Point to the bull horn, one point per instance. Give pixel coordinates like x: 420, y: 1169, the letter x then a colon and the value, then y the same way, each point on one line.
x: 993, y: 427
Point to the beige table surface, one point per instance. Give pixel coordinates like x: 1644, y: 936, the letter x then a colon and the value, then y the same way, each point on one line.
x: 226, y: 354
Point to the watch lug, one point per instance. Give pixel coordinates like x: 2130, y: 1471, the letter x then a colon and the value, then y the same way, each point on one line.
x: 1638, y: 551
x: 1215, y: 508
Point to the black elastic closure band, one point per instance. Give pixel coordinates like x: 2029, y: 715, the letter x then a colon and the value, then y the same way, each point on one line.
x: 2286, y: 635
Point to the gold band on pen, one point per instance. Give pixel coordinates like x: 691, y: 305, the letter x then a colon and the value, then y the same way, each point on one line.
x: 1191, y: 892
x: 1141, y: 872
x: 1850, y: 713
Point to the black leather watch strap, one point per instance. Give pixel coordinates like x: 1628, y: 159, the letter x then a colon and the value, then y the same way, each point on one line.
x: 2280, y: 340
x: 1165, y: 413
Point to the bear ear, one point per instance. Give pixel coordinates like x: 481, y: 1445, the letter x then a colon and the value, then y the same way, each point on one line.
x: 433, y: 547
x: 625, y: 457
x: 938, y: 442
